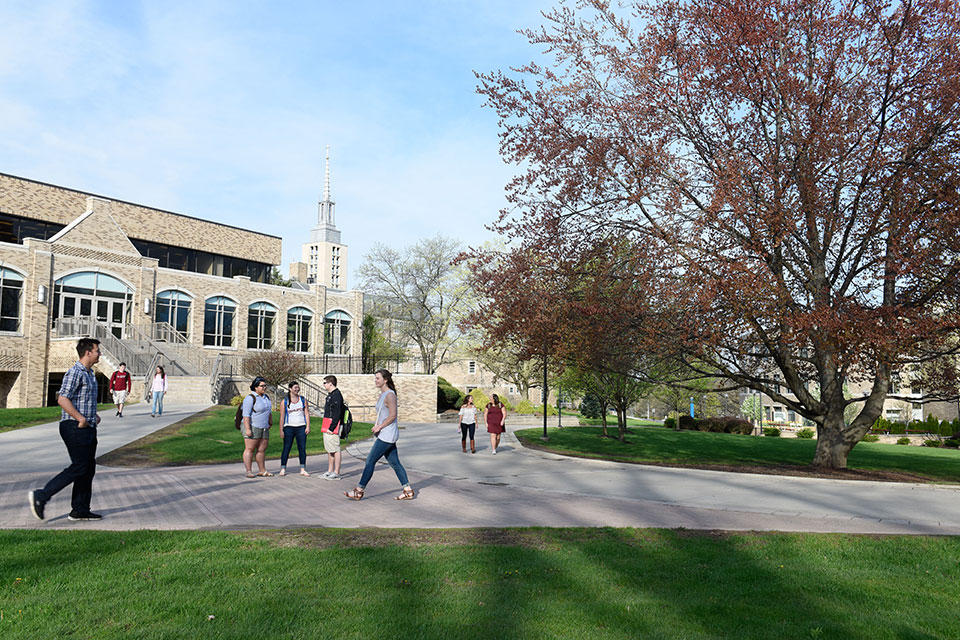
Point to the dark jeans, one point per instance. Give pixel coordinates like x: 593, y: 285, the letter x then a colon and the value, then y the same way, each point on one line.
x: 377, y: 451
x: 82, y: 447
x: 289, y: 435
x: 464, y: 428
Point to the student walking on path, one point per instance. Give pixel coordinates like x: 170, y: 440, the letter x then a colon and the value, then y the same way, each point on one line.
x: 157, y: 389
x: 78, y: 430
x: 387, y: 430
x: 495, y: 415
x: 468, y: 424
x: 257, y: 414
x: 120, y: 383
x: 332, y: 427
x: 295, y: 421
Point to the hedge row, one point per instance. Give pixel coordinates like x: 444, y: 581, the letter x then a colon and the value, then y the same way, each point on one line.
x: 712, y: 425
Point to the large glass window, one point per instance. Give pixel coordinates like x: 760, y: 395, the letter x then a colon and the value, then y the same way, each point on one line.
x: 336, y: 333
x: 11, y: 292
x: 218, y: 315
x: 173, y: 307
x: 200, y: 261
x: 298, y: 329
x: 91, y: 295
x: 260, y: 321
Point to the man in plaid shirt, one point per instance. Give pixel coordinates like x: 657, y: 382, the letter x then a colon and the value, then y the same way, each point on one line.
x: 78, y: 429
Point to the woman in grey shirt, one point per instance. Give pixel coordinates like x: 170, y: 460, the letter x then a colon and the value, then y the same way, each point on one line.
x: 257, y: 418
x: 387, y: 431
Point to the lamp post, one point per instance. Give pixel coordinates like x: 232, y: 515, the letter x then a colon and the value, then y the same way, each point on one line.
x: 544, y: 437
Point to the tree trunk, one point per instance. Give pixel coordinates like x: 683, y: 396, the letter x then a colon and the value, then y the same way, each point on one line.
x: 603, y: 418
x: 834, y: 443
x: 622, y: 424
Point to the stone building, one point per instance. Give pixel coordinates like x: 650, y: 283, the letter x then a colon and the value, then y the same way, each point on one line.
x: 324, y: 257
x: 146, y: 282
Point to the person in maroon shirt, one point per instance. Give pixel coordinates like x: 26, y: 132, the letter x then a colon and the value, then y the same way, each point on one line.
x: 495, y: 414
x: 120, y: 383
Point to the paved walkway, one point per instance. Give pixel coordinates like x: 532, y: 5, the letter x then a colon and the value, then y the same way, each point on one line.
x: 517, y: 487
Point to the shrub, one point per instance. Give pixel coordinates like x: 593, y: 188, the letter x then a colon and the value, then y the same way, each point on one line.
x: 897, y: 428
x: 952, y: 443
x: 525, y: 407
x: 771, y: 432
x: 686, y: 422
x: 670, y: 423
x: 236, y: 400
x: 871, y: 437
x: 903, y: 440
x: 448, y: 396
x: 932, y: 443
x: 480, y: 399
x: 807, y: 434
x: 590, y: 406
x: 882, y: 425
x: 722, y: 425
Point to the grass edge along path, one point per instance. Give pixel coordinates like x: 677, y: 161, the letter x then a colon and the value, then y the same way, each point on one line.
x: 478, y: 583
x: 209, y: 437
x: 13, y: 419
x: 750, y: 454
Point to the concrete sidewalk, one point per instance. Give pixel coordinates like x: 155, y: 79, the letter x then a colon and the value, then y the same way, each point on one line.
x: 517, y: 487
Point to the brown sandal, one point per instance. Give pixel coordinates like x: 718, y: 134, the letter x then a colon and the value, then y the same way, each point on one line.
x: 356, y: 494
x: 407, y: 494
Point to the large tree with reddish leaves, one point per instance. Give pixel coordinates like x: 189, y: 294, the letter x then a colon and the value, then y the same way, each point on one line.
x: 793, y: 162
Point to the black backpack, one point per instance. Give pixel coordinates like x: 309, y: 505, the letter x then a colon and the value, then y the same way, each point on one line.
x: 238, y: 419
x: 347, y: 423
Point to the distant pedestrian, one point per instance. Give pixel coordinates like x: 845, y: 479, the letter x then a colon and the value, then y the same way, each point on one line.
x: 332, y: 427
x: 295, y: 425
x: 468, y: 424
x: 257, y: 414
x: 78, y: 430
x: 157, y: 389
x: 387, y: 430
x: 495, y: 415
x: 120, y: 383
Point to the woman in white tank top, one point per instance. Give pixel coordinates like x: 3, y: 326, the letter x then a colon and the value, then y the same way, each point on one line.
x: 387, y: 431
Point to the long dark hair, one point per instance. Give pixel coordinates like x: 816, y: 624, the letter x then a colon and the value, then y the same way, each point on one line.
x: 163, y: 374
x: 290, y: 388
x: 496, y: 400
x: 388, y: 378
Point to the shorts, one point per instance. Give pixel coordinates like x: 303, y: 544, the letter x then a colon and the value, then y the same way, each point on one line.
x: 119, y: 397
x: 331, y: 442
x: 258, y: 433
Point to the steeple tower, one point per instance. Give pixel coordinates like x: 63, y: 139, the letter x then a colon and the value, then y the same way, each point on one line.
x: 325, y: 254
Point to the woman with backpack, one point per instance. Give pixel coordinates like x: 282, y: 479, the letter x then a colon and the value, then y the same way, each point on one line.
x: 295, y: 421
x: 257, y: 412
x: 387, y: 430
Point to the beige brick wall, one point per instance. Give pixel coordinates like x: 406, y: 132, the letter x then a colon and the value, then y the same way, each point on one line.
x: 416, y: 396
x: 57, y: 204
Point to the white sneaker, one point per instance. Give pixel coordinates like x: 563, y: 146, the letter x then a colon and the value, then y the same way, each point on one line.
x: 334, y: 476
x: 326, y: 475
x: 494, y: 452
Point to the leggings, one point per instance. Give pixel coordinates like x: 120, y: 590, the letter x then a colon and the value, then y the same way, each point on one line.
x: 289, y: 435
x: 464, y: 428
x: 377, y: 451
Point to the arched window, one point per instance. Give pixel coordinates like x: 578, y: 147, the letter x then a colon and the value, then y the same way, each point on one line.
x: 91, y: 294
x: 218, y: 315
x: 173, y: 307
x: 299, y: 320
x: 11, y: 292
x: 260, y: 321
x: 336, y: 333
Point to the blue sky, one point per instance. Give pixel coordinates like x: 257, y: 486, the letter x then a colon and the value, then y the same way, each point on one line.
x: 222, y: 110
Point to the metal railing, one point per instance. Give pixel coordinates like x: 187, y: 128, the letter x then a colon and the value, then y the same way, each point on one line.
x: 148, y: 376
x: 164, y: 332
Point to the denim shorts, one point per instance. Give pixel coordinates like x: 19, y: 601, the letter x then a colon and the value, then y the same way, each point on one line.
x: 258, y: 433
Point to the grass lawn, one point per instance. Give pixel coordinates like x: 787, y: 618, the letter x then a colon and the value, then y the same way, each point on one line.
x: 612, y: 422
x: 470, y: 583
x: 666, y: 446
x: 210, y: 437
x: 11, y: 419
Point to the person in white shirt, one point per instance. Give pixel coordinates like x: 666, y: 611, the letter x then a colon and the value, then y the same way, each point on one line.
x: 468, y: 423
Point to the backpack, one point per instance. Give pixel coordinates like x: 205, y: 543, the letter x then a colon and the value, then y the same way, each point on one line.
x: 286, y: 404
x: 238, y: 419
x: 347, y: 423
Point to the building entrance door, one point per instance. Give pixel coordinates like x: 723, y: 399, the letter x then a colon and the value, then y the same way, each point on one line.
x: 111, y: 313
